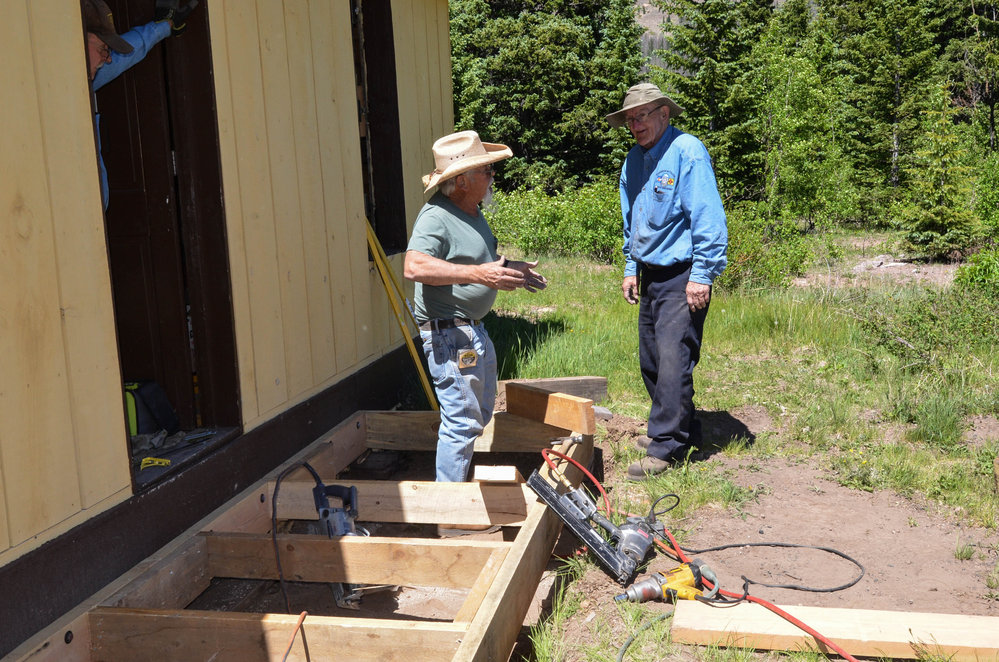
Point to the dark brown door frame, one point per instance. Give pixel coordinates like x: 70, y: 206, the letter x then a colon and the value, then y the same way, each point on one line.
x: 188, y: 111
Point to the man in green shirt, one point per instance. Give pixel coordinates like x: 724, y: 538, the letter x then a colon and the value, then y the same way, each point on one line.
x: 452, y: 257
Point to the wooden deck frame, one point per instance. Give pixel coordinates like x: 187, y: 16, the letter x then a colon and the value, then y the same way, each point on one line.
x: 142, y: 615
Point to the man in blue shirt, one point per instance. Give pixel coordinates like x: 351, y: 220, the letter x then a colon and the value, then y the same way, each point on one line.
x: 675, y: 240
x: 110, y: 54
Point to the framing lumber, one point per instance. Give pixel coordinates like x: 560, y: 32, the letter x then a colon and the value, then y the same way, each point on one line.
x: 591, y: 388
x: 185, y: 635
x: 352, y: 559
x: 417, y: 431
x: 417, y: 501
x: 142, y: 614
x: 564, y: 411
x: 861, y: 632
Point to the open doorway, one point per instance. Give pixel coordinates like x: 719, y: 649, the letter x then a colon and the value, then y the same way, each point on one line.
x: 167, y: 243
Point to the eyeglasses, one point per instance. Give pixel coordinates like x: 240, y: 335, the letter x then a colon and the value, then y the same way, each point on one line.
x: 105, y: 52
x: 639, y: 119
x: 488, y: 171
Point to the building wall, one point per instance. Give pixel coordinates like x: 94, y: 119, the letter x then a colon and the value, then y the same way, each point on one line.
x: 309, y: 307
x: 63, y: 450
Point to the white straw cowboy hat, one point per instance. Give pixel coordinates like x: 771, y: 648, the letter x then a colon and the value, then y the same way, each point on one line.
x: 639, y: 95
x: 461, y: 152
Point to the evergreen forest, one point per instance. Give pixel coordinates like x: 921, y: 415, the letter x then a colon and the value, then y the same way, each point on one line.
x: 866, y: 114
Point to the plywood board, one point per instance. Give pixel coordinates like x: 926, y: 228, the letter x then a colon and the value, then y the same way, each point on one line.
x: 861, y: 632
x: 92, y: 369
x: 37, y: 453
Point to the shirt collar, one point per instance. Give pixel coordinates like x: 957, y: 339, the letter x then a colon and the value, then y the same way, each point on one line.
x: 656, y: 151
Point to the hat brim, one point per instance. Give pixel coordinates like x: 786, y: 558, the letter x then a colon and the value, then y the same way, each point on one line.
x: 494, y: 152
x: 115, y: 42
x: 616, y: 119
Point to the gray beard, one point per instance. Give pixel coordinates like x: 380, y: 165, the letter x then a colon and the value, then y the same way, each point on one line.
x: 487, y: 201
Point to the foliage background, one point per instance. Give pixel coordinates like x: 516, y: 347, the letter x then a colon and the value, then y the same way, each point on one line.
x: 817, y: 114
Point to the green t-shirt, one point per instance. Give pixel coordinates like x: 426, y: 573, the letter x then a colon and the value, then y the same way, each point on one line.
x: 444, y: 231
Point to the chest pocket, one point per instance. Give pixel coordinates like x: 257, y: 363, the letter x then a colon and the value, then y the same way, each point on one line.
x: 663, y: 185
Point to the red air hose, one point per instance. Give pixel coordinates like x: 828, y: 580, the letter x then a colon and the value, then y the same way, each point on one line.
x: 677, y: 553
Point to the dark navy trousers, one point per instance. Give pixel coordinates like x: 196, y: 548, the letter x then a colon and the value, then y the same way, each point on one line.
x: 669, y: 338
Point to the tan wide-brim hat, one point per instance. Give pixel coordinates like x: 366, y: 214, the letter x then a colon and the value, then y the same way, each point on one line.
x: 639, y: 95
x: 461, y: 152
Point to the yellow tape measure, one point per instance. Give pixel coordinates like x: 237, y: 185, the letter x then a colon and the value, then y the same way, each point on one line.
x: 154, y: 462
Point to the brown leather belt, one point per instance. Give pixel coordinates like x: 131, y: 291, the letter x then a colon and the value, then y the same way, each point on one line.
x: 441, y: 323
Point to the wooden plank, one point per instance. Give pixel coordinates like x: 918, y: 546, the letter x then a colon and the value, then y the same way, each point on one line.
x: 417, y: 431
x: 593, y: 388
x: 317, y: 267
x: 481, y: 587
x: 93, y: 374
x: 231, y: 186
x: 861, y: 632
x: 37, y: 455
x: 259, y: 231
x: 369, y: 327
x: 182, y: 636
x: 279, y: 130
x: 417, y: 501
x: 494, y: 629
x: 497, y: 474
x: 353, y: 559
x: 558, y: 409
x: 342, y: 291
x: 171, y: 582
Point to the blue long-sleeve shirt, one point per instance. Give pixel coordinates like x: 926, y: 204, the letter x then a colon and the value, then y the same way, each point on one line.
x: 142, y: 39
x: 671, y: 208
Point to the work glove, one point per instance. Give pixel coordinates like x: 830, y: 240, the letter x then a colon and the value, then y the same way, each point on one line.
x: 173, y: 11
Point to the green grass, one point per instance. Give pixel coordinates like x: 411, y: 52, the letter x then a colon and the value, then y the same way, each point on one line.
x: 875, y: 385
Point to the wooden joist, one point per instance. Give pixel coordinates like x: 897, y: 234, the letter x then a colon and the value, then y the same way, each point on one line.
x: 860, y: 632
x: 417, y: 501
x: 417, y: 431
x: 352, y: 559
x: 142, y: 615
x: 186, y: 635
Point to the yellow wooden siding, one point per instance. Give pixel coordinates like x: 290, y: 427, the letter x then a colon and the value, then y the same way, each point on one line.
x: 309, y: 306
x: 62, y: 442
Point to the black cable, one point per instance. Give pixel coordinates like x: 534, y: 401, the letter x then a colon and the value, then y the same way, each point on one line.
x: 645, y: 626
x: 277, y: 550
x: 794, y: 587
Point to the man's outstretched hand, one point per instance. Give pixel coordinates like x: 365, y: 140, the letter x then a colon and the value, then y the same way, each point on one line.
x: 533, y: 281
x: 175, y: 13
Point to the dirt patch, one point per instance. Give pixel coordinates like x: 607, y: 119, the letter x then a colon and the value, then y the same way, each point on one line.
x: 879, y: 270
x: 908, y: 549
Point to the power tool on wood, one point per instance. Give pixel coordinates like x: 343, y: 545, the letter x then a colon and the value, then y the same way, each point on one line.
x: 337, y: 522
x: 684, y: 582
x: 629, y: 543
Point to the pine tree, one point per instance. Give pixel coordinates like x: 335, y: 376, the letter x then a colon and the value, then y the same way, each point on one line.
x: 708, y: 42
x: 540, y: 77
x: 939, y: 218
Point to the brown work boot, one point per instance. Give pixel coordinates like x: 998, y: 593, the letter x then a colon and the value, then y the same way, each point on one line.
x: 646, y: 467
x: 642, y: 442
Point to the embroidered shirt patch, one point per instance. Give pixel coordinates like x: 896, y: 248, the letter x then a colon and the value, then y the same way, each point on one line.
x: 664, y: 181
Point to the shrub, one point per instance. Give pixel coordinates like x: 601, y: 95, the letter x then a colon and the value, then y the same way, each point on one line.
x: 583, y: 222
x: 980, y: 274
x: 762, y: 251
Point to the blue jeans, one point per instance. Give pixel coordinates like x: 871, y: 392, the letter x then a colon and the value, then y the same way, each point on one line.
x: 467, y: 393
x: 669, y: 338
